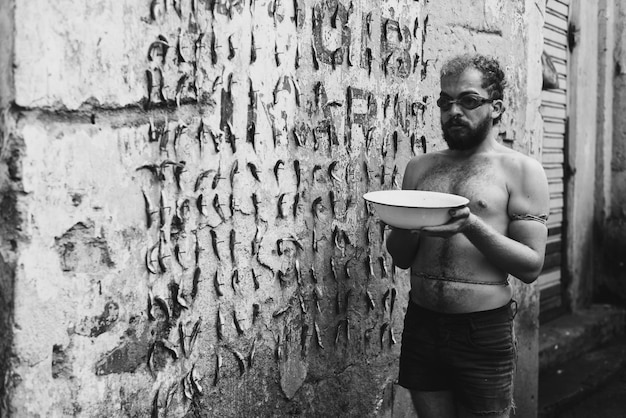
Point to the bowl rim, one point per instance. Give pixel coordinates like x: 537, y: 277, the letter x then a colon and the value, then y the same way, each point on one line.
x: 417, y: 207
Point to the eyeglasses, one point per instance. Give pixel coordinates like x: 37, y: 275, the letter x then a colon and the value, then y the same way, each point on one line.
x: 469, y: 102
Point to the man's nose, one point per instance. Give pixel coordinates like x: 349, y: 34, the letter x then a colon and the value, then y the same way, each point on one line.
x: 455, y: 109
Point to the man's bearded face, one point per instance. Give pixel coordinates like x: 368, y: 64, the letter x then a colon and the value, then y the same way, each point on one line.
x: 460, y: 135
x: 465, y: 127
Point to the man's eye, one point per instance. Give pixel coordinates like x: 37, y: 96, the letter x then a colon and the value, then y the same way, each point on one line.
x: 469, y: 101
x: 444, y: 102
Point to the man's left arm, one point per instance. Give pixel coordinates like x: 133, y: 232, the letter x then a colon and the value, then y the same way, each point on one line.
x: 521, y: 252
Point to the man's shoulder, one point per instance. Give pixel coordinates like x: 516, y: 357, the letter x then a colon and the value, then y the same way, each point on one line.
x: 428, y: 158
x: 523, y: 173
x: 418, y: 166
x: 516, y: 160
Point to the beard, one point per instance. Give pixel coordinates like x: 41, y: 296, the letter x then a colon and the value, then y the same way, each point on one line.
x: 465, y: 137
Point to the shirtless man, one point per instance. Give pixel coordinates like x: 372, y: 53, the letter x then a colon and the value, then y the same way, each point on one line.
x: 458, y: 349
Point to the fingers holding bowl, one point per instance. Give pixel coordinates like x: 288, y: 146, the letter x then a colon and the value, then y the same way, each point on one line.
x: 459, y: 212
x: 456, y: 223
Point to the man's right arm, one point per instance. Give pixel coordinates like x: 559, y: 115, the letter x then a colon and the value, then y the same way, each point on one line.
x: 402, y: 244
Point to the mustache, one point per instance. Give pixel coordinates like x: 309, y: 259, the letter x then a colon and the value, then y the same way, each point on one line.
x: 455, y: 122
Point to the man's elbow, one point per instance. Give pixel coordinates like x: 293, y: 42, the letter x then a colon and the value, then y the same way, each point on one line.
x: 530, y: 274
x: 398, y: 254
x: 402, y: 264
x: 527, y: 278
x: 399, y: 260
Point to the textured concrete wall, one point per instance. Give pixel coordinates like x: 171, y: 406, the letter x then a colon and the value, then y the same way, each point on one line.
x: 618, y: 162
x: 607, y: 41
x: 183, y: 179
x: 10, y: 220
x: 610, y: 274
x: 582, y: 136
x: 615, y: 229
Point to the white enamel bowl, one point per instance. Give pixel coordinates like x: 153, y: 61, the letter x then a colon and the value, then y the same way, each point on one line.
x: 413, y: 209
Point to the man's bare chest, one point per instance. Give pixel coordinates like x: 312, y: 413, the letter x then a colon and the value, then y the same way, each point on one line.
x: 483, y: 184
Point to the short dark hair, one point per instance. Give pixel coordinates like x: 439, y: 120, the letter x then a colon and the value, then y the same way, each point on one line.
x: 493, y: 76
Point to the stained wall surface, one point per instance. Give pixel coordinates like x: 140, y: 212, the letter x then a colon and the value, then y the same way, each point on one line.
x: 183, y: 227
x: 610, y: 222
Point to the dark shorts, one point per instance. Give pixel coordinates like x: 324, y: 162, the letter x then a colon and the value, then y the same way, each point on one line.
x: 473, y: 355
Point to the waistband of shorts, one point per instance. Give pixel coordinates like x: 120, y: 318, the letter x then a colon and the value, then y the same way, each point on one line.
x: 509, y: 307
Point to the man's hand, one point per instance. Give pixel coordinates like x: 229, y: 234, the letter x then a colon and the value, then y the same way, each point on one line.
x: 460, y: 219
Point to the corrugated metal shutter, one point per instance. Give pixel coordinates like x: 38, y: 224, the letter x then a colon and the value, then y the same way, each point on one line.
x: 554, y: 112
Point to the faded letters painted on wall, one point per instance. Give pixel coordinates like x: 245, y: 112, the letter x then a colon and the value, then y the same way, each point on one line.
x: 259, y: 248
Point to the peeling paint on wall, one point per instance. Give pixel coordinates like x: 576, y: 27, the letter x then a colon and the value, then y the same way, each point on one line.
x: 80, y: 250
x: 276, y: 207
x: 211, y: 254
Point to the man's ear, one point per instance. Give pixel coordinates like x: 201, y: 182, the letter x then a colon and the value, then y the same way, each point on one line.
x: 497, y: 108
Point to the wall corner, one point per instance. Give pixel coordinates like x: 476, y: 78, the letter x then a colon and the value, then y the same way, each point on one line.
x: 7, y: 34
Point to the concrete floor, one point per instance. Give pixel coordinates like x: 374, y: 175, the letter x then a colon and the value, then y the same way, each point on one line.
x: 606, y: 402
x: 592, y: 385
x: 583, y: 365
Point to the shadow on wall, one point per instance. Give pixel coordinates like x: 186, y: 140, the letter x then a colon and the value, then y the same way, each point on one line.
x: 610, y: 286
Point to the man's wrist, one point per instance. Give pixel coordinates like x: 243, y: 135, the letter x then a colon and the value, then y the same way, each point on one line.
x: 472, y: 224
